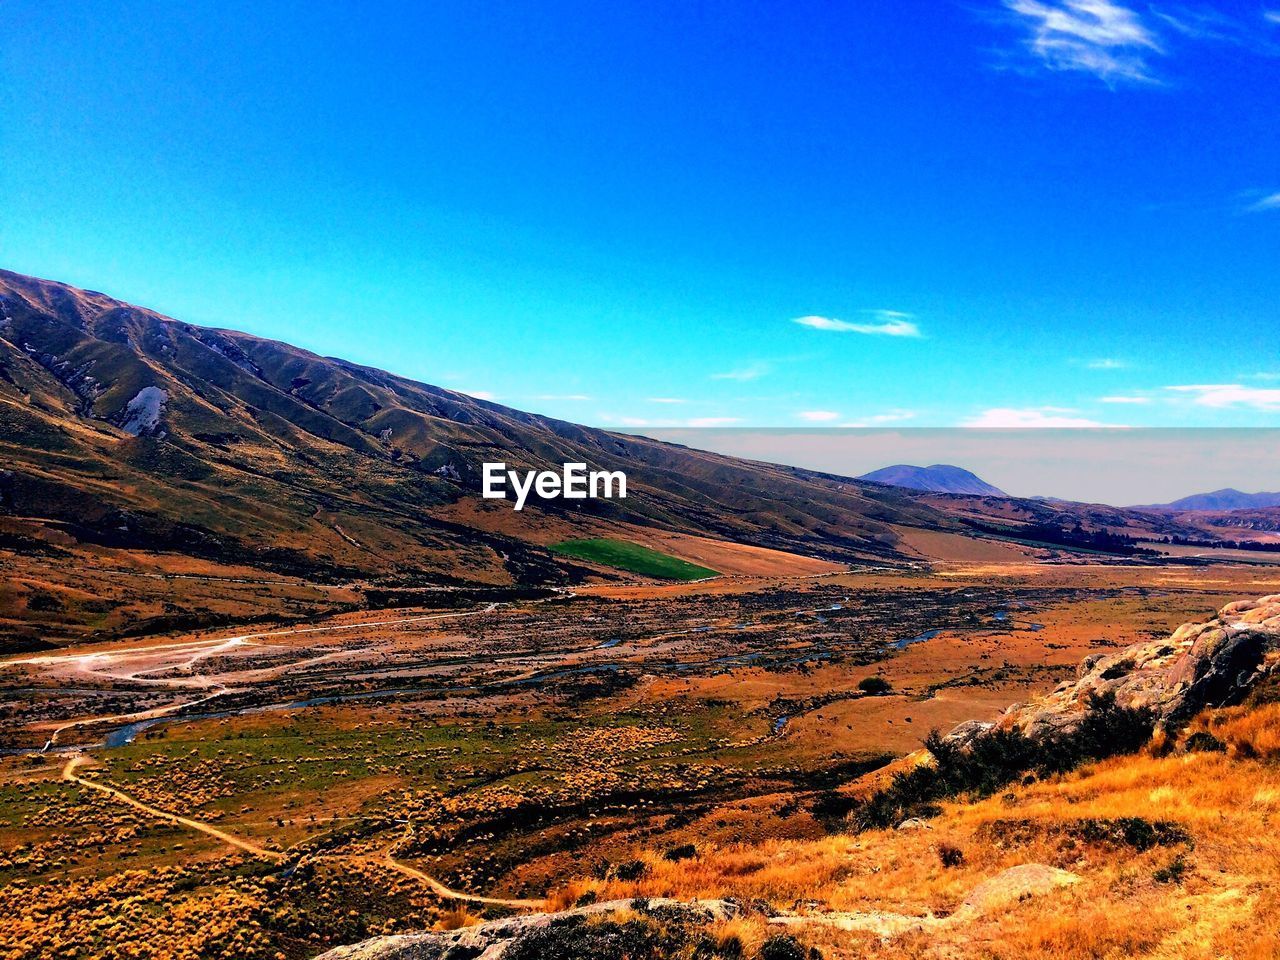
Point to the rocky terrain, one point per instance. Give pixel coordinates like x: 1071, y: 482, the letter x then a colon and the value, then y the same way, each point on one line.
x: 1202, y: 665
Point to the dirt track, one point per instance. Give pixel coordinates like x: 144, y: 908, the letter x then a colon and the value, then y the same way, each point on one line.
x: 386, y: 860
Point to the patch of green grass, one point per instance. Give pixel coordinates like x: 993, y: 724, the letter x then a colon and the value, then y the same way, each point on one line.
x: 633, y: 558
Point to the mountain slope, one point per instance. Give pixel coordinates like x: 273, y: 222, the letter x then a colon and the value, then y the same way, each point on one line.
x: 125, y: 428
x: 938, y: 478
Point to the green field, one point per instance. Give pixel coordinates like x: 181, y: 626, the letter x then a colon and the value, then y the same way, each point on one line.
x: 633, y: 558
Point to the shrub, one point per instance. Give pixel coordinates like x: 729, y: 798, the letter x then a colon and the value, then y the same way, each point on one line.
x: 1135, y: 832
x: 1203, y: 742
x: 950, y: 856
x: 993, y: 760
x: 629, y: 870
x: 874, y: 686
x: 781, y: 946
x: 1175, y: 872
x: 686, y: 851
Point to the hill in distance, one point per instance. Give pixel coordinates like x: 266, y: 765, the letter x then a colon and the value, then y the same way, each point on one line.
x: 1219, y: 500
x: 938, y: 478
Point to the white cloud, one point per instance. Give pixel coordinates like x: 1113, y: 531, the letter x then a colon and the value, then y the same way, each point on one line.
x: 1120, y: 399
x: 712, y: 421
x: 1101, y: 37
x: 623, y: 421
x: 1266, y: 203
x: 563, y: 397
x: 480, y: 394
x: 884, y: 323
x: 1226, y: 395
x: 1040, y: 418
x: 752, y: 371
x: 880, y: 419
x: 818, y: 416
x: 1105, y: 363
x: 665, y: 400
x: 1272, y: 16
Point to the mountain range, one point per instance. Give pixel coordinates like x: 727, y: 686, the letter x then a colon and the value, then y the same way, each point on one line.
x: 124, y: 427
x: 139, y: 446
x: 1219, y: 500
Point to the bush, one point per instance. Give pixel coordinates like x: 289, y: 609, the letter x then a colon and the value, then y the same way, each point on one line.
x: 1137, y: 833
x: 1203, y: 742
x: 1175, y: 872
x: 629, y: 870
x: 950, y: 856
x: 874, y: 686
x: 784, y: 947
x: 686, y: 851
x: 997, y: 758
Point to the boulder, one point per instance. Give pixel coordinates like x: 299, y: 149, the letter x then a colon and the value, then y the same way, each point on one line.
x: 1200, y: 665
x: 489, y: 941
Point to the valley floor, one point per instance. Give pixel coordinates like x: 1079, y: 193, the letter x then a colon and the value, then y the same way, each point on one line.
x: 370, y: 765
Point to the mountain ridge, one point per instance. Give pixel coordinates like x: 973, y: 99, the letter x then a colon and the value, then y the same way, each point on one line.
x: 108, y: 408
x: 1226, y: 499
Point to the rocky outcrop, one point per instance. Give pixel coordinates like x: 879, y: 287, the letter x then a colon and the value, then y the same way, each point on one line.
x: 1006, y: 888
x: 489, y: 941
x: 1201, y: 665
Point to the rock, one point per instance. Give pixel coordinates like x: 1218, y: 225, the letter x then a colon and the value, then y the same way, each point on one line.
x: 1012, y: 886
x: 968, y: 730
x: 914, y: 823
x: 1005, y: 889
x: 489, y: 941
x: 1201, y: 665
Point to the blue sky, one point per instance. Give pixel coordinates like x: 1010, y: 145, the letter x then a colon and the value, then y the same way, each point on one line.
x: 641, y: 214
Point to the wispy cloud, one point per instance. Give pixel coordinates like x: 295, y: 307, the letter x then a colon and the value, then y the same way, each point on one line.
x: 1024, y: 418
x: 562, y: 397
x: 615, y: 420
x: 664, y: 400
x: 753, y: 371
x: 818, y: 416
x: 880, y: 419
x: 480, y: 394
x: 1105, y: 363
x: 1101, y: 37
x: 712, y: 421
x: 1124, y: 399
x: 884, y: 323
x: 1114, y: 41
x: 1271, y: 202
x: 1223, y: 396
x: 1206, y: 23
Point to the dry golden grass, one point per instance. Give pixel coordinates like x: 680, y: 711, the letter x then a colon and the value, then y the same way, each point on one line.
x: 1209, y: 898
x: 457, y: 918
x: 1248, y: 733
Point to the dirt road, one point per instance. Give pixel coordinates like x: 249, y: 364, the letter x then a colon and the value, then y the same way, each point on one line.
x: 385, y: 860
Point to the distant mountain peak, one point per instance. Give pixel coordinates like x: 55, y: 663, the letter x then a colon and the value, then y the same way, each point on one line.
x: 1227, y: 498
x: 935, y: 478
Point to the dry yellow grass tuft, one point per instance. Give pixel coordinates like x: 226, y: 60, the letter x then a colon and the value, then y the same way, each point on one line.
x: 1177, y: 857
